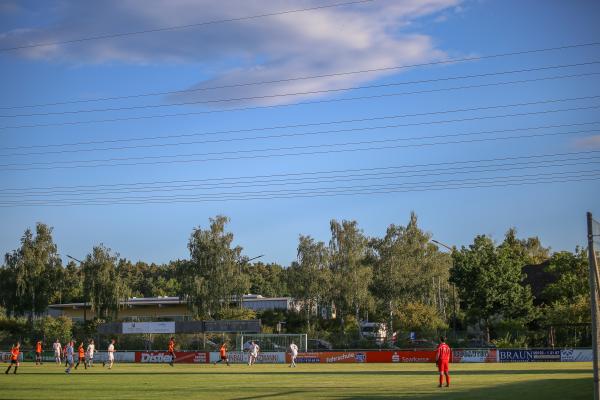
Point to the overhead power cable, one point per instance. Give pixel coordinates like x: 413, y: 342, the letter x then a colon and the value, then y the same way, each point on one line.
x: 447, y: 121
x: 298, y: 181
x: 368, y: 128
x: 178, y: 27
x: 398, y: 67
x: 287, y: 105
x: 445, y: 164
x: 292, y: 94
x: 336, y: 191
x: 123, y: 161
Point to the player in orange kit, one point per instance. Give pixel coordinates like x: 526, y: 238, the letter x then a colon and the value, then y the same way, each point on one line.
x: 14, y: 358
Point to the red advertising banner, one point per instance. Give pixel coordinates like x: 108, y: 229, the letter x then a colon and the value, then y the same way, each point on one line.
x: 187, y: 357
x: 400, y: 356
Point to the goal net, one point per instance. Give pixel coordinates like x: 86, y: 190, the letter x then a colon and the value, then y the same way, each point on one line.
x: 272, y: 341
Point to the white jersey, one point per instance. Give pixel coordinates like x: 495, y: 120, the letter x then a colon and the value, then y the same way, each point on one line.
x: 254, y: 349
x: 294, y: 349
x: 90, y: 350
x: 57, y: 347
x: 69, y: 351
x: 111, y: 351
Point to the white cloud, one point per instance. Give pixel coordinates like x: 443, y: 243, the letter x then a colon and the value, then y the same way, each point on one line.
x: 588, y: 142
x: 324, y: 41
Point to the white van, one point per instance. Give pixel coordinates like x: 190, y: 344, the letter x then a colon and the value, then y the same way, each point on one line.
x: 373, y: 330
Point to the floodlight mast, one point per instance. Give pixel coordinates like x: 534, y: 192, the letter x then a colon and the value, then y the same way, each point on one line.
x: 84, y: 291
x: 452, y: 249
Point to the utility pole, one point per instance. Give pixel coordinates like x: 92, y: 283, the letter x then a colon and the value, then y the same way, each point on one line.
x: 593, y: 275
x: 83, y: 289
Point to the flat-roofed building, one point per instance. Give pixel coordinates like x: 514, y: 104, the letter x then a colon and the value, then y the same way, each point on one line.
x: 164, y: 308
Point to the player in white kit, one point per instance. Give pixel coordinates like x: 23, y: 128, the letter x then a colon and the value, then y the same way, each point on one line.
x: 70, y: 354
x: 254, y: 350
x: 111, y: 354
x: 294, y: 354
x: 91, y: 349
x: 57, y: 351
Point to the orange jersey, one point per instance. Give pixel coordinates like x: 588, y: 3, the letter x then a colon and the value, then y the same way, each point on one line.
x: 81, y: 352
x: 171, y: 345
x: 223, y: 351
x: 14, y: 353
x: 38, y: 347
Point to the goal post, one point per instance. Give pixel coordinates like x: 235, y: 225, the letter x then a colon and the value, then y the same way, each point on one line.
x: 278, y: 342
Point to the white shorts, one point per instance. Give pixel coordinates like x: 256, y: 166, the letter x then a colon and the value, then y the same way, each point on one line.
x: 111, y: 357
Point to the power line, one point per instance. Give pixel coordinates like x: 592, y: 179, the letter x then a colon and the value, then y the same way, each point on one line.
x: 449, y: 61
x: 295, y: 126
x: 156, y: 159
x: 446, y: 164
x: 274, y: 106
x: 178, y: 27
x: 187, y: 103
x: 306, y: 134
x: 352, y: 190
x: 477, y: 169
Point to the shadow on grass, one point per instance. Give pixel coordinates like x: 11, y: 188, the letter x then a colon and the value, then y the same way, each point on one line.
x: 287, y: 372
x: 544, y: 389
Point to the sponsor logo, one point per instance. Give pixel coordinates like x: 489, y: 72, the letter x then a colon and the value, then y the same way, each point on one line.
x: 529, y: 355
x: 155, y: 358
x: 395, y: 357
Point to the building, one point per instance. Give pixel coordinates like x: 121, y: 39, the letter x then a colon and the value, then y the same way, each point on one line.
x: 164, y: 308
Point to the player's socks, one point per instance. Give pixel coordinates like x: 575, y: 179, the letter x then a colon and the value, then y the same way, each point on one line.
x: 15, y: 371
x: 447, y: 379
x: 441, y: 380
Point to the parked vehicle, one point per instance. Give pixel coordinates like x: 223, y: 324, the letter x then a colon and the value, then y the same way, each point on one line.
x: 373, y: 330
x: 318, y: 345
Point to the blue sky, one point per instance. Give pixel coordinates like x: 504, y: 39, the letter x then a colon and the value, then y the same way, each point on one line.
x: 372, y: 35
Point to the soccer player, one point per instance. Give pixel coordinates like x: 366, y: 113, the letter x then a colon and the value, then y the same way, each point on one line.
x: 294, y: 354
x: 254, y: 350
x: 90, y: 353
x: 223, y: 352
x: 111, y: 354
x: 38, y: 353
x: 172, y: 350
x: 70, y: 354
x: 14, y: 358
x: 64, y: 351
x: 442, y: 359
x: 57, y: 351
x: 81, y: 354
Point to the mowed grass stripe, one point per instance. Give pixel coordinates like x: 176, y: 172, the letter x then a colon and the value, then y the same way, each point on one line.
x: 546, y: 381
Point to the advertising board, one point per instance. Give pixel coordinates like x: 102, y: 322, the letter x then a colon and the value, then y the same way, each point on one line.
x: 474, y: 355
x: 528, y: 355
x: 186, y: 357
x: 149, y: 327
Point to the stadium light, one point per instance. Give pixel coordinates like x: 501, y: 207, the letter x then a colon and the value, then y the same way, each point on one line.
x: 84, y: 292
x: 452, y: 249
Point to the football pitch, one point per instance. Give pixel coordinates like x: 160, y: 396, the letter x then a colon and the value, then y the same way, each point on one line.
x: 530, y: 381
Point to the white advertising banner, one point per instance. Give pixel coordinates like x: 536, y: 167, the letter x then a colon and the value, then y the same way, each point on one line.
x: 576, y: 355
x: 149, y: 327
x: 120, y: 356
x: 238, y: 357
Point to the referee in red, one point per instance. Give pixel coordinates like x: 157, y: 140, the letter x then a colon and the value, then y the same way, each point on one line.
x: 442, y: 359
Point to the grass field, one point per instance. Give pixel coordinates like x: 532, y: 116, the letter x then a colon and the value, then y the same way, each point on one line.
x: 529, y: 381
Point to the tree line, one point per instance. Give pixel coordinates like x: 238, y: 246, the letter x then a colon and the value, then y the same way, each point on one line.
x: 403, y: 279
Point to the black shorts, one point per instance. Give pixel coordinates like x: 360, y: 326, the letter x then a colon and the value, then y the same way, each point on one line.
x: 14, y: 362
x: 223, y: 357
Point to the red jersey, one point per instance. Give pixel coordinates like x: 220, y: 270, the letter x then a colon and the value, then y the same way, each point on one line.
x: 171, y: 345
x: 14, y: 353
x: 443, y: 353
x: 223, y: 351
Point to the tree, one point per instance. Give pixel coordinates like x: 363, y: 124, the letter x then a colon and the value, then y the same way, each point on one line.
x: 212, y: 278
x: 489, y: 281
x: 419, y: 317
x: 102, y: 286
x: 32, y: 272
x: 409, y: 268
x: 572, y: 272
x: 351, y: 273
x: 310, y: 277
x: 266, y: 279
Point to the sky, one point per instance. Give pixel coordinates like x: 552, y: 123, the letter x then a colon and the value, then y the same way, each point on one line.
x: 478, y: 116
